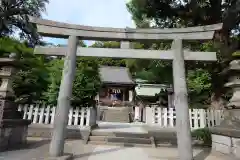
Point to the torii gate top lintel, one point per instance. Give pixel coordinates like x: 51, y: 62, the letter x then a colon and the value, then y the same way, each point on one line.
x: 64, y: 30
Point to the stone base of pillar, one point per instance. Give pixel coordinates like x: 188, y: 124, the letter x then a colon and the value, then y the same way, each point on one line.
x: 13, y: 133
x: 226, y: 136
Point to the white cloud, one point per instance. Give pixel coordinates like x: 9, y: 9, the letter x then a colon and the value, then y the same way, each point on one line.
x: 103, y: 13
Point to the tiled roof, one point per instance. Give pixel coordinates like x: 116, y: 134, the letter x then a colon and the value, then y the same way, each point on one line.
x: 117, y: 75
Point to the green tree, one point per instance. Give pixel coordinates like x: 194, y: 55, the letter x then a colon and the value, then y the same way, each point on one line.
x: 173, y: 13
x: 85, y: 86
x: 109, y: 61
x: 31, y: 79
x: 14, y: 14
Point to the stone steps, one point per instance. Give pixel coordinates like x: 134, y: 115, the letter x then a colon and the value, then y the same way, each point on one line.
x: 120, y: 144
x: 119, y: 134
x: 116, y: 114
x: 144, y: 139
x: 120, y: 139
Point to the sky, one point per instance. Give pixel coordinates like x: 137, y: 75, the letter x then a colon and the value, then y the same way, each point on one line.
x: 102, y: 13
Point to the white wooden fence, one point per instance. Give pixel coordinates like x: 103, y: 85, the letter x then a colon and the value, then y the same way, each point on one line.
x: 43, y: 114
x: 199, y: 118
x: 163, y: 117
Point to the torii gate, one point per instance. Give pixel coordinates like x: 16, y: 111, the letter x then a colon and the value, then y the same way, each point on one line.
x: 74, y: 32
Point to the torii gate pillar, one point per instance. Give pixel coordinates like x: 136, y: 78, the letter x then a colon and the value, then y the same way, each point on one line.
x: 65, y: 93
x: 181, y: 102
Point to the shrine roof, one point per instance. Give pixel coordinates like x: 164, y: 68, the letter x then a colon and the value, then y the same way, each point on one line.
x: 152, y: 89
x: 115, y: 75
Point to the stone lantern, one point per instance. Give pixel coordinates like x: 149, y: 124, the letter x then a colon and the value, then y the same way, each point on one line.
x: 226, y: 136
x: 13, y: 129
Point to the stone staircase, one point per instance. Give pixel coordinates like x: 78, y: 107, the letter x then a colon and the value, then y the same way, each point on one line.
x: 117, y: 114
x: 121, y: 139
x: 128, y: 139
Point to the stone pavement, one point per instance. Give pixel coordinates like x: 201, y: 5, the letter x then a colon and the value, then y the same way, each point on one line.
x: 38, y: 149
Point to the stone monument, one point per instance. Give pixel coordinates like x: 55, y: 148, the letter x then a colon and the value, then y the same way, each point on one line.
x: 226, y: 136
x: 13, y: 129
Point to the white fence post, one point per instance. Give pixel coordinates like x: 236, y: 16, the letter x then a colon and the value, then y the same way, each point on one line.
x: 195, y: 119
x: 53, y: 114
x: 150, y: 115
x: 82, y: 117
x: 30, y: 113
x: 35, y: 117
x: 136, y: 113
x: 165, y: 117
x: 41, y: 115
x: 25, y: 109
x: 76, y: 116
x: 159, y: 115
x: 70, y: 117
x: 171, y: 117
x: 47, y: 115
x: 203, y: 117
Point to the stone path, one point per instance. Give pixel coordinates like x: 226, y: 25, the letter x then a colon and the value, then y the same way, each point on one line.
x: 38, y: 149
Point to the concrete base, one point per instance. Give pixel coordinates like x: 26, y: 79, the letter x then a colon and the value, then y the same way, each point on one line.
x: 64, y: 157
x: 12, y: 136
x: 226, y: 144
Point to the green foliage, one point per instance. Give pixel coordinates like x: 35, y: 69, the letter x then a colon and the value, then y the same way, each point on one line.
x: 173, y: 13
x: 31, y: 78
x: 236, y: 54
x: 14, y: 15
x: 198, y: 80
x: 109, y: 61
x: 199, y: 87
x: 203, y: 135
x: 55, y: 67
x: 86, y: 83
x: 107, y: 44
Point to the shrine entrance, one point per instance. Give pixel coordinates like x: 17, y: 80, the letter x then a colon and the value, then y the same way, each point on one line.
x: 115, y: 98
x: 126, y: 36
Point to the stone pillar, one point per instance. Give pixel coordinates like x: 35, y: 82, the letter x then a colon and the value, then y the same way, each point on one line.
x: 13, y: 129
x: 137, y: 113
x: 226, y: 136
x: 124, y: 94
x: 63, y: 105
x: 169, y: 101
x: 130, y: 96
x: 181, y: 103
x: 149, y: 115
